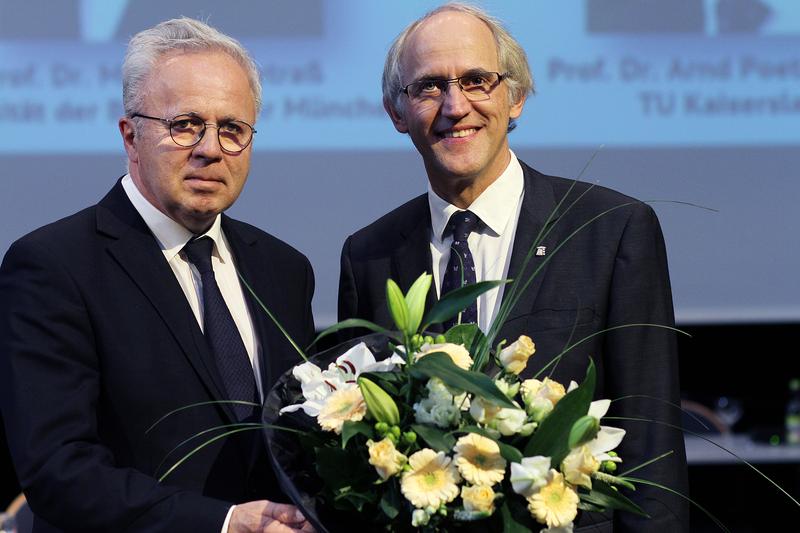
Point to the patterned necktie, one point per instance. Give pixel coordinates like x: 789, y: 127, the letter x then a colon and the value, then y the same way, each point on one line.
x: 460, y: 267
x: 221, y: 333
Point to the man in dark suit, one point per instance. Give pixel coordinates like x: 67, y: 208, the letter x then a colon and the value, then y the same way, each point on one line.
x: 124, y: 312
x: 455, y: 81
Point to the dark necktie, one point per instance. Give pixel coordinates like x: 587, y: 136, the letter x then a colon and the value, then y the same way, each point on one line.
x: 460, y: 267
x: 221, y: 333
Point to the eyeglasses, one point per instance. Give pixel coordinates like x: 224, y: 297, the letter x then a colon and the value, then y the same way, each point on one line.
x: 476, y: 86
x: 187, y: 130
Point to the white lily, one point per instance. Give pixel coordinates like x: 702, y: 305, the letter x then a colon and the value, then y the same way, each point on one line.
x: 317, y: 385
x: 608, y: 437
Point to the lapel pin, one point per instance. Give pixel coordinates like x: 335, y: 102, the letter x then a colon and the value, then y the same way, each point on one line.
x: 541, y: 251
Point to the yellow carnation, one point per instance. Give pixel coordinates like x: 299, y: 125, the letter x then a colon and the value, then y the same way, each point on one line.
x: 578, y: 467
x: 458, y: 354
x: 478, y: 499
x: 478, y: 460
x: 514, y: 357
x: 344, y: 404
x: 432, y: 480
x: 556, y: 504
x: 385, y: 458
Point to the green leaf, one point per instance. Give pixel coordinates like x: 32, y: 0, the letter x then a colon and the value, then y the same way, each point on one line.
x: 603, y: 495
x: 439, y: 365
x: 415, y: 301
x: 351, y: 429
x: 456, y: 301
x: 351, y: 323
x: 513, y: 521
x: 467, y: 334
x: 380, y: 405
x: 397, y: 305
x: 392, y: 501
x: 552, y: 436
x: 435, y: 438
x: 509, y: 453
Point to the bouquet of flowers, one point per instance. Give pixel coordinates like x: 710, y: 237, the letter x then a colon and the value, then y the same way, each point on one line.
x: 441, y: 433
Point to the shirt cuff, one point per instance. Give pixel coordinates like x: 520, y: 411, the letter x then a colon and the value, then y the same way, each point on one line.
x: 227, y: 520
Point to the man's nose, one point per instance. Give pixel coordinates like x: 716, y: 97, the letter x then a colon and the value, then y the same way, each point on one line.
x: 455, y: 102
x: 209, y: 146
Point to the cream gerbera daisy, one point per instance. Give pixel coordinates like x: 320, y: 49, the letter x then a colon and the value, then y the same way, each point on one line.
x: 431, y: 481
x: 458, y: 354
x: 556, y: 504
x: 344, y: 404
x: 478, y: 460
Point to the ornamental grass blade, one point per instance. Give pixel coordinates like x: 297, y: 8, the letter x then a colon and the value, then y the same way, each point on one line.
x: 455, y: 301
x: 552, y: 436
x: 439, y: 365
x: 604, y: 495
x: 415, y: 301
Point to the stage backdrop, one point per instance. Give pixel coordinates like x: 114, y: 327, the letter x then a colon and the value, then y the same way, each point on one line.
x: 692, y: 100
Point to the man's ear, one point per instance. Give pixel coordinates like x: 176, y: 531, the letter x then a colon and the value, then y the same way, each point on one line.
x: 516, y: 108
x: 127, y: 129
x: 398, y: 119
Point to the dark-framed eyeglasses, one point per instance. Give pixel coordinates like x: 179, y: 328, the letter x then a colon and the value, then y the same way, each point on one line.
x: 187, y: 130
x: 476, y: 86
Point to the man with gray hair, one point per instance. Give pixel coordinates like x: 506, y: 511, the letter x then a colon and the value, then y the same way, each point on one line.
x: 132, y: 310
x: 456, y: 81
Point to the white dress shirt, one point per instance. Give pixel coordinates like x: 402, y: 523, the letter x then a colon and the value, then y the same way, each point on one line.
x: 498, y: 207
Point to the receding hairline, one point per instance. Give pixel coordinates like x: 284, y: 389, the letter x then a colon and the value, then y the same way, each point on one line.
x: 168, y: 55
x: 445, y: 10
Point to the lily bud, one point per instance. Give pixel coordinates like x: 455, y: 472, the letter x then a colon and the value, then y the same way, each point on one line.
x: 583, y: 430
x: 379, y: 404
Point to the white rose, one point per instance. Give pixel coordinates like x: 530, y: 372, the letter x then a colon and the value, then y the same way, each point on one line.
x: 514, y: 357
x: 530, y: 475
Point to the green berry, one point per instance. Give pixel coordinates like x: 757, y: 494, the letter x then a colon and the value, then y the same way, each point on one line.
x: 440, y: 339
x: 409, y: 437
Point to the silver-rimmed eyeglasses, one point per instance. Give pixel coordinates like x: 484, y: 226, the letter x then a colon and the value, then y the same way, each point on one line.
x: 187, y: 130
x: 476, y: 86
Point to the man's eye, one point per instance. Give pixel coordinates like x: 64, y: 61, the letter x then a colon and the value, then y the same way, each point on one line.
x: 428, y: 86
x: 187, y: 123
x: 474, y: 81
x: 232, y: 128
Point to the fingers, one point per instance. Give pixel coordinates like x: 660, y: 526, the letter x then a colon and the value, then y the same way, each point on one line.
x: 284, y: 512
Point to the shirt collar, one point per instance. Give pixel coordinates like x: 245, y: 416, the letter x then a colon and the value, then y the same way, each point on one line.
x: 171, y: 236
x: 493, y: 206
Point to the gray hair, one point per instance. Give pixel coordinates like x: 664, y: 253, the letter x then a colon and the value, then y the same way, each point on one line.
x: 181, y: 34
x: 511, y: 57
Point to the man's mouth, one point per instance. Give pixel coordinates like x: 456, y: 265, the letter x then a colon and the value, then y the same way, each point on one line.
x: 457, y: 134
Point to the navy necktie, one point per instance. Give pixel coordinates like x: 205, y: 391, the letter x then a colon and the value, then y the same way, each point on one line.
x: 221, y: 333
x: 460, y: 267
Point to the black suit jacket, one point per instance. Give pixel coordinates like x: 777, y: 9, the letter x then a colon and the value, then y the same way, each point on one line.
x: 97, y: 342
x: 609, y: 272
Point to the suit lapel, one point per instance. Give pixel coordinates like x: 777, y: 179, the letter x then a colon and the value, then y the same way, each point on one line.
x: 264, y: 281
x: 538, y: 204
x: 136, y: 251
x: 413, y: 256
